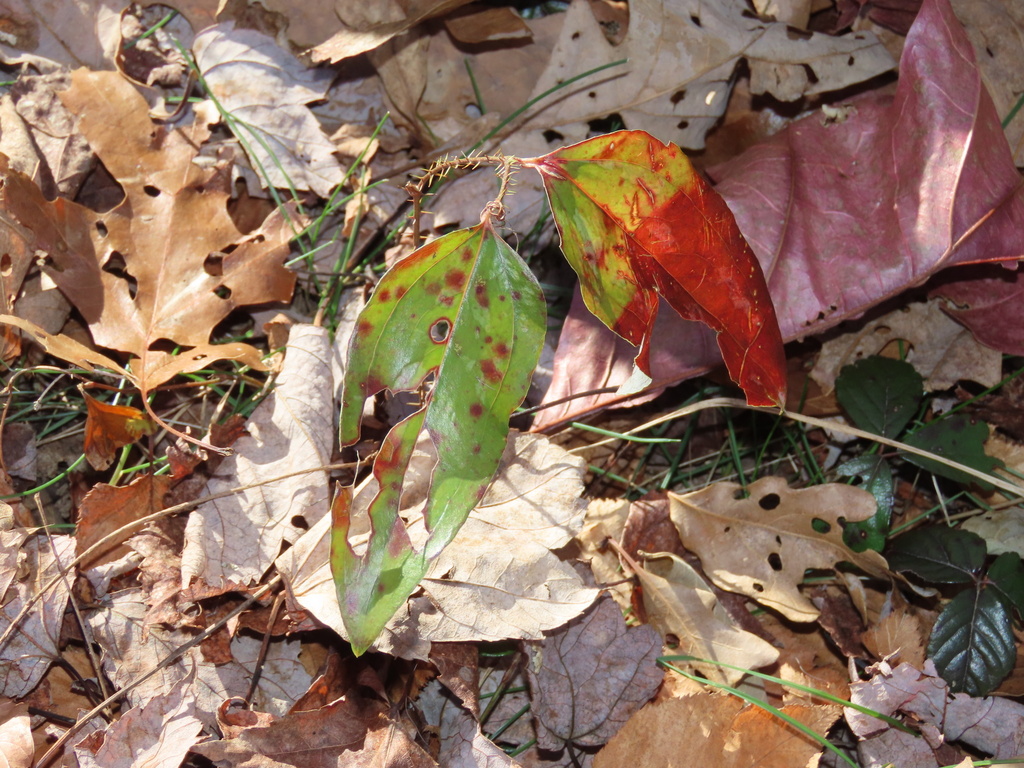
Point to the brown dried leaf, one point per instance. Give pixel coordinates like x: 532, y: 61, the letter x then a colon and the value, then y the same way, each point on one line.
x: 108, y: 428
x: 24, y: 569
x: 49, y: 34
x: 144, y: 273
x: 761, y: 545
x: 715, y: 729
x: 106, y: 508
x: 590, y: 677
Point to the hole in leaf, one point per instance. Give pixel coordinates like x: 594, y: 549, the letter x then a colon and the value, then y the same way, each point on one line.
x: 741, y: 493
x: 213, y: 264
x: 821, y: 526
x: 116, y: 266
x: 592, y: 94
x: 150, y: 190
x: 850, y: 61
x: 758, y: 587
x: 769, y: 501
x: 552, y: 136
x: 6, y: 264
x: 575, y: 35
x: 682, y: 125
x: 696, y: 20
x: 678, y: 96
x: 222, y: 292
x: 809, y: 71
x: 775, y: 561
x: 440, y: 331
x: 797, y: 34
x: 609, y: 124
x: 101, y: 228
x: 300, y: 522
x: 473, y: 111
x: 727, y: 529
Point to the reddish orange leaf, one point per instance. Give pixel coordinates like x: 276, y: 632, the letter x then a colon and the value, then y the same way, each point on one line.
x: 637, y: 223
x: 110, y: 427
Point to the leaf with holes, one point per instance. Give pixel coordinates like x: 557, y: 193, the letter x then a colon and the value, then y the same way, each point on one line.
x: 759, y: 543
x: 466, y: 310
x: 637, y: 222
x: 875, y: 476
x: 154, y: 275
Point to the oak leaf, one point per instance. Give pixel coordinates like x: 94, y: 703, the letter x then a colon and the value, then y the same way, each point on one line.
x: 760, y: 545
x: 167, y: 264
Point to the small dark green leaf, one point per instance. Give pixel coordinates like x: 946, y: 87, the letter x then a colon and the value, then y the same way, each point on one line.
x: 876, y: 478
x: 1007, y: 577
x: 880, y: 394
x: 972, y: 642
x: 956, y: 438
x: 939, y: 554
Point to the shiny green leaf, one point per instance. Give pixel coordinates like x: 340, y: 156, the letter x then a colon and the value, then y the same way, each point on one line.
x: 880, y: 394
x: 940, y: 554
x: 875, y: 477
x: 972, y: 642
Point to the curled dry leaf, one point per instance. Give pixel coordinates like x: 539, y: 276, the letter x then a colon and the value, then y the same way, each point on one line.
x: 16, y: 748
x: 760, y: 544
x: 498, y: 579
x: 266, y: 90
x: 678, y: 602
x: 109, y: 428
x: 590, y: 677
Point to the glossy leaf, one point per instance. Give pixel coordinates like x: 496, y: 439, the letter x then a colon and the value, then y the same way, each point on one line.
x: 958, y: 438
x: 1006, y: 575
x: 466, y: 310
x: 880, y: 394
x: 637, y: 222
x: 939, y: 554
x: 972, y: 643
x: 875, y: 477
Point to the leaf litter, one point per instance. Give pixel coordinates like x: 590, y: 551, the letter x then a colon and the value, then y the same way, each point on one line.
x: 137, y: 224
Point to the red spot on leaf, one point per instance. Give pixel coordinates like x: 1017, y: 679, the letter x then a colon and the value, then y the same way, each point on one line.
x: 384, y: 294
x: 488, y: 339
x: 445, y: 300
x: 455, y: 279
x: 480, y: 292
x: 501, y: 349
x: 432, y: 288
x: 476, y: 448
x: 476, y: 410
x: 364, y: 328
x: 490, y: 371
x: 400, y: 291
x: 516, y: 295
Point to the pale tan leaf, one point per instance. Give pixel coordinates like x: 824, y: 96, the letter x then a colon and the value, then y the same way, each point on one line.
x: 233, y: 540
x: 499, y: 578
x: 35, y: 643
x: 16, y: 749
x: 942, y: 350
x: 760, y: 544
x: 65, y: 348
x: 681, y: 58
x: 678, y: 602
x: 266, y: 89
x: 156, y: 735
x: 1002, y: 530
x: 54, y: 33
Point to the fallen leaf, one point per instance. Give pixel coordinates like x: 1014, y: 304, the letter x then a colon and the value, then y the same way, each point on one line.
x: 144, y: 274
x: 35, y: 642
x: 590, y: 677
x: 16, y: 749
x: 233, y: 540
x: 987, y: 300
x: 157, y: 735
x: 108, y: 428
x: 716, y: 729
x: 107, y: 508
x: 760, y: 544
x: 49, y: 34
x: 681, y: 58
x: 678, y: 602
x: 1002, y: 530
x: 638, y: 223
x: 939, y: 348
x: 844, y: 215
x: 498, y: 579
x: 266, y: 90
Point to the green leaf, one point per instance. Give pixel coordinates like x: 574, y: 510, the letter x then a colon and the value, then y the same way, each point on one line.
x: 1006, y: 575
x: 466, y: 310
x: 876, y: 478
x: 939, y: 554
x: 972, y: 642
x: 958, y: 438
x: 880, y: 394
x: 638, y: 222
